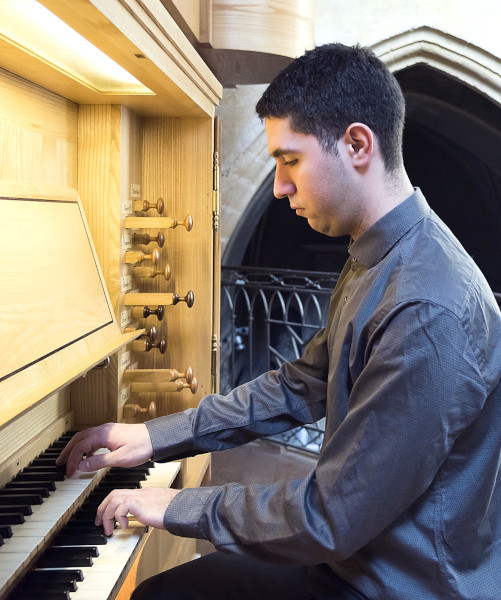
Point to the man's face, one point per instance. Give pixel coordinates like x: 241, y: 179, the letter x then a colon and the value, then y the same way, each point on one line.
x: 321, y: 186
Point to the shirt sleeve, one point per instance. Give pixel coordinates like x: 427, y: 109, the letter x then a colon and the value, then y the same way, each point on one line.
x: 276, y: 401
x: 419, y: 388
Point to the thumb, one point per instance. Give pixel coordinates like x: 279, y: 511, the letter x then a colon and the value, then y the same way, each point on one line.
x: 98, y: 460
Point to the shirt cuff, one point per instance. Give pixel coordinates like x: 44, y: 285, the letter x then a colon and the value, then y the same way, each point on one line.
x: 170, y: 435
x: 185, y: 515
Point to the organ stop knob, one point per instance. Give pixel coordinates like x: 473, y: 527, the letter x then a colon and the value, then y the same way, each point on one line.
x: 146, y: 238
x: 151, y: 272
x: 144, y: 205
x: 136, y: 256
x: 155, y: 299
x: 132, y: 411
x: 143, y: 312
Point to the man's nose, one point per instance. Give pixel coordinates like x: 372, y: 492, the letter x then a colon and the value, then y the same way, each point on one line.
x: 283, y: 187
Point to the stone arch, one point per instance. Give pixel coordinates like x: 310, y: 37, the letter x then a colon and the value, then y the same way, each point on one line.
x: 444, y: 52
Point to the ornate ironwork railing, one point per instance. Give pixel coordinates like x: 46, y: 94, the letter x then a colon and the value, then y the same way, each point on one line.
x: 267, y: 318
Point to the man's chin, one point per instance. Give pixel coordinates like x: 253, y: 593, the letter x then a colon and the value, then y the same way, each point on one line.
x: 322, y: 228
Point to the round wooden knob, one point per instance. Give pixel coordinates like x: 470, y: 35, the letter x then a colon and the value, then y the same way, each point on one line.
x: 189, y: 299
x: 146, y: 238
x: 161, y: 345
x: 143, y: 312
x: 144, y: 205
x: 187, y: 222
x: 146, y: 345
x: 151, y: 272
x: 137, y: 256
x: 133, y: 410
x: 151, y: 333
x: 188, y: 375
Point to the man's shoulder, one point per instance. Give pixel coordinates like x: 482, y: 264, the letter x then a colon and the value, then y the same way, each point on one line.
x: 435, y: 267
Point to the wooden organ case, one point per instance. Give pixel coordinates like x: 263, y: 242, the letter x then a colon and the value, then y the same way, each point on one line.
x: 109, y: 282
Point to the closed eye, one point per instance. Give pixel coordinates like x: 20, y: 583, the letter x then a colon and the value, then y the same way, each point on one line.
x: 290, y: 163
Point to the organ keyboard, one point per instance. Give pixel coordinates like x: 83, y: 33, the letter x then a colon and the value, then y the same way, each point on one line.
x: 77, y: 561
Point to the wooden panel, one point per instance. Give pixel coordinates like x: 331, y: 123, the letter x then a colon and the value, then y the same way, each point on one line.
x: 75, y: 328
x: 99, y: 182
x: 177, y: 166
x: 190, y: 12
x: 109, y: 161
x: 38, y: 135
x: 55, y: 255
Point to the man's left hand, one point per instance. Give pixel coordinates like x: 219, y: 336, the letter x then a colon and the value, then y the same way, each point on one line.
x: 147, y: 506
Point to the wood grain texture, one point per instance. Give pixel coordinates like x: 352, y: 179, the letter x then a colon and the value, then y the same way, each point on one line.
x: 58, y: 279
x: 167, y: 64
x: 177, y: 166
x: 38, y: 135
x: 109, y: 160
x: 55, y: 255
x: 283, y: 27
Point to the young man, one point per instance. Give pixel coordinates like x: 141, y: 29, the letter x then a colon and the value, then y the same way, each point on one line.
x: 405, y: 501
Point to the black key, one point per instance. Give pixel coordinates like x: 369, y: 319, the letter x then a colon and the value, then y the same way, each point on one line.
x: 131, y: 471
x: 41, y: 461
x: 57, y: 444
x: 75, y: 525
x: 42, y: 575
x: 77, y: 529
x: 48, y: 468
x: 39, y: 595
x: 20, y: 498
x: 66, y: 556
x: 11, y: 518
x: 42, y: 491
x: 139, y: 476
x: 85, y: 538
x: 85, y: 516
x: 48, y: 586
x: 6, y: 531
x: 1, y: 540
x: 107, y: 486
x: 24, y: 509
x: 96, y: 497
x: 49, y: 485
x: 40, y: 476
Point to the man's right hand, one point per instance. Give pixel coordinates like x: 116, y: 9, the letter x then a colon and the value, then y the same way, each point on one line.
x: 129, y: 445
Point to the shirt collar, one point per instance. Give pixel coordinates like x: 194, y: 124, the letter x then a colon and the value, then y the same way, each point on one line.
x: 378, y: 240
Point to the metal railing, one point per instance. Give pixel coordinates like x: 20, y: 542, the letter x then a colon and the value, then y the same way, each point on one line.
x: 267, y: 318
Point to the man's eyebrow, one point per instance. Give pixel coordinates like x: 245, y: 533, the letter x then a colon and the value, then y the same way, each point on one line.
x: 281, y: 151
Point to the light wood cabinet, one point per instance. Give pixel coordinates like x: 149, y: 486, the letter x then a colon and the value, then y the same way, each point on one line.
x: 62, y: 138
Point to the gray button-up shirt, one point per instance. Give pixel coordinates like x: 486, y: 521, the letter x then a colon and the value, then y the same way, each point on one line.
x: 405, y: 501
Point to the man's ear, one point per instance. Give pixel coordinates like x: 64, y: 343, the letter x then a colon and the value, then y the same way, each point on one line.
x: 359, y: 141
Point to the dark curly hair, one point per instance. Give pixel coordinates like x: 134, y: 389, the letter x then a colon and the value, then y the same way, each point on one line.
x: 332, y: 86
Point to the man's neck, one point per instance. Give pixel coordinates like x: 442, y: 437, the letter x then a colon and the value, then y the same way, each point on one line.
x: 384, y: 196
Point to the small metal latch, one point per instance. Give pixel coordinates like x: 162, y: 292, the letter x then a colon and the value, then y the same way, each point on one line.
x: 102, y: 365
